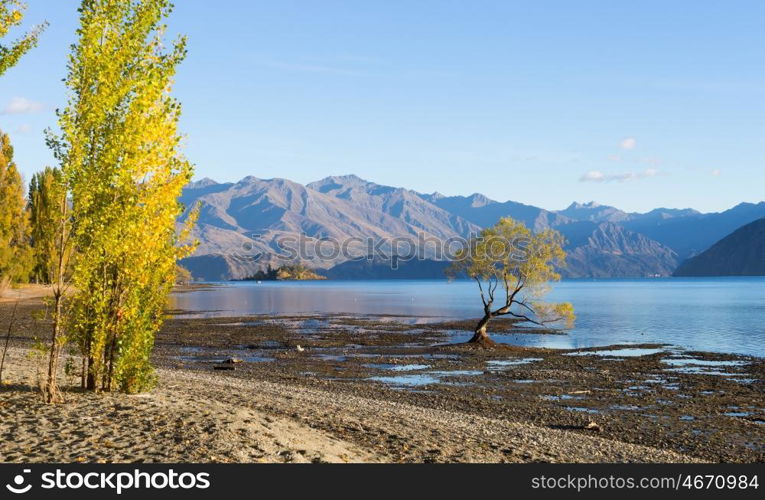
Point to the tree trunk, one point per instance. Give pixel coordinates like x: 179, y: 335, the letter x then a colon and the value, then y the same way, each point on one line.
x: 481, y: 335
x: 52, y: 393
x: 91, y: 383
x: 8, y: 339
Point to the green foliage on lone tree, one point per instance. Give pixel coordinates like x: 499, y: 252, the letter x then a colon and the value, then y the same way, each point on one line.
x: 513, y: 269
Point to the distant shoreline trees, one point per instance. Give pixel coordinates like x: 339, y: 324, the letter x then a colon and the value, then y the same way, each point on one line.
x: 15, y: 253
x: 292, y: 272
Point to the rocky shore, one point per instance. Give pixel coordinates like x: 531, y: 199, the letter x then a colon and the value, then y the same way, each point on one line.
x: 386, y: 389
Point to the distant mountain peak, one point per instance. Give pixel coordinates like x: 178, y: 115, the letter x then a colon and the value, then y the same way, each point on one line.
x: 578, y: 206
x: 479, y: 200
x: 595, y: 212
x: 342, y: 180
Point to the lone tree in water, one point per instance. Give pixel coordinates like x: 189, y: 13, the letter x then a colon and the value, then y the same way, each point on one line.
x: 514, y: 269
x: 120, y: 154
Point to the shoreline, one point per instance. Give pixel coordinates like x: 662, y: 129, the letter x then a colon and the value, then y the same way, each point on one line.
x: 337, y: 400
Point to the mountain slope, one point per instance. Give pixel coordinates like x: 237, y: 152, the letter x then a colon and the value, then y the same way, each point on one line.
x: 693, y: 233
x: 741, y: 253
x: 256, y: 222
x: 604, y: 250
x: 400, y: 203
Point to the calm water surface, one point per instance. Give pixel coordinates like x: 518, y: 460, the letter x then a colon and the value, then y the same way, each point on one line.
x: 710, y: 314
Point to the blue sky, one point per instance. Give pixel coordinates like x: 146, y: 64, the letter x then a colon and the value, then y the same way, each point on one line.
x: 632, y: 104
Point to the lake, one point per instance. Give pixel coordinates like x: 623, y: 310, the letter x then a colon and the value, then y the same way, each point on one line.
x: 707, y: 314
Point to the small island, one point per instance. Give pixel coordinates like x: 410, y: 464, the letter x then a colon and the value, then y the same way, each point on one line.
x: 292, y: 272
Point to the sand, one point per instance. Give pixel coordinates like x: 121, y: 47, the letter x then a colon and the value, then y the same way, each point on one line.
x: 206, y: 417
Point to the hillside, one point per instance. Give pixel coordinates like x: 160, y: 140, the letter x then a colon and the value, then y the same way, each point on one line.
x: 741, y: 253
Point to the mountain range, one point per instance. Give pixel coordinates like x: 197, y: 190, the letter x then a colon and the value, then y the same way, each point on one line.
x: 253, y: 223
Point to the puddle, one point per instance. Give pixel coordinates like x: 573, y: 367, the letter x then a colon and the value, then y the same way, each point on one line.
x: 738, y: 414
x: 700, y: 370
x: 693, y: 366
x: 626, y: 407
x: 560, y: 397
x: 503, y: 364
x: 222, y: 359
x: 330, y: 357
x: 685, y: 361
x: 457, y: 373
x: 687, y: 418
x: 407, y: 380
x: 400, y: 356
x: 396, y: 368
x: 744, y: 381
x: 420, y: 379
x: 582, y: 409
x: 627, y: 352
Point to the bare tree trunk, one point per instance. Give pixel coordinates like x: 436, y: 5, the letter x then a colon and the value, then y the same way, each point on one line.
x: 8, y: 339
x: 52, y: 393
x: 84, y: 373
x: 91, y: 383
x: 480, y: 334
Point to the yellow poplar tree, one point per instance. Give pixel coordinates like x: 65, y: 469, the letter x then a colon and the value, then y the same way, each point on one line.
x: 46, y: 194
x: 120, y: 152
x: 11, y: 15
x: 51, y: 222
x: 15, y: 255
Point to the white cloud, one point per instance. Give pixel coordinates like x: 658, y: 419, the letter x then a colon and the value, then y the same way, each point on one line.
x: 24, y: 128
x: 592, y: 175
x: 716, y: 172
x: 628, y: 143
x: 598, y: 176
x: 22, y: 105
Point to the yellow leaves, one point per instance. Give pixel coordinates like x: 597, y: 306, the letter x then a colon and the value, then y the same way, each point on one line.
x: 11, y: 14
x: 514, y: 267
x: 121, y: 148
x: 555, y: 313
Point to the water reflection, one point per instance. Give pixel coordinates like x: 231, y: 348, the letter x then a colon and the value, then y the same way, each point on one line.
x: 710, y: 314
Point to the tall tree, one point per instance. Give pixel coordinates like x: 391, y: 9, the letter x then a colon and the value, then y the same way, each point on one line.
x: 51, y: 223
x: 120, y: 152
x: 46, y: 192
x: 11, y: 15
x: 15, y: 255
x: 508, y: 257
